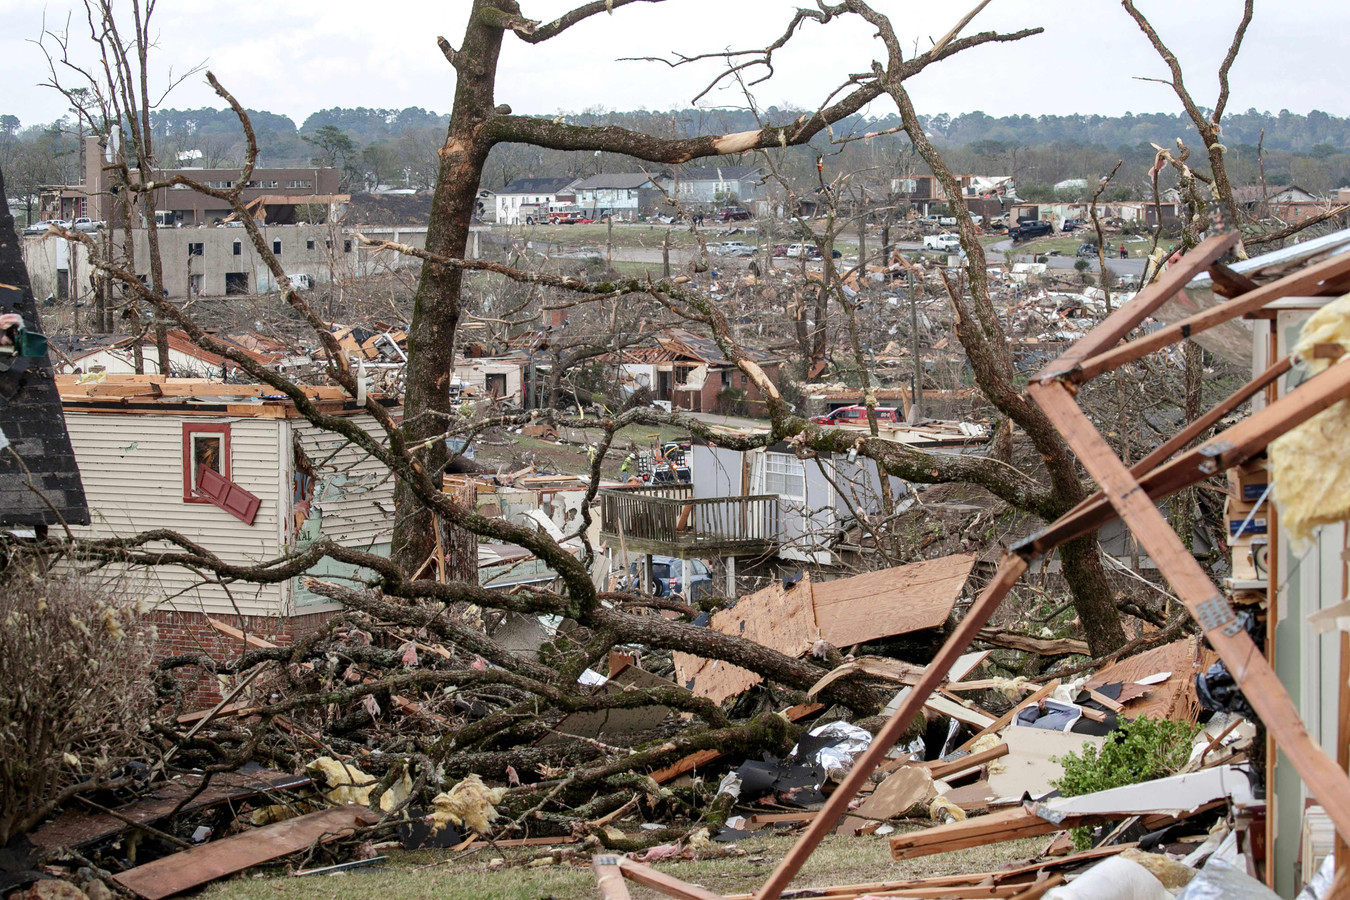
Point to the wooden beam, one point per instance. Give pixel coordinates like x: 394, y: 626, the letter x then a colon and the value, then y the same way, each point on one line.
x: 1124, y: 320
x: 666, y: 884
x: 1259, y: 684
x: 935, y: 673
x: 1228, y: 283
x: 1223, y: 451
x: 943, y: 769
x: 609, y: 878
x: 1298, y: 283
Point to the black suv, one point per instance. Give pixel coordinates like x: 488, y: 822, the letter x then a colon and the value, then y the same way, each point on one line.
x: 1032, y: 229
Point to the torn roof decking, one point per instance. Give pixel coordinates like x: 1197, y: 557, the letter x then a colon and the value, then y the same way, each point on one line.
x: 161, y: 395
x: 843, y: 612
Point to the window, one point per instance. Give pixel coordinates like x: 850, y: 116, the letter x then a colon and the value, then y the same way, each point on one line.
x: 266, y: 184
x: 309, y: 245
x: 196, y: 249
x: 346, y: 246
x: 204, y: 445
x: 299, y: 185
x: 328, y: 244
x: 238, y: 248
x: 236, y: 283
x: 195, y: 284
x: 276, y: 247
x: 219, y: 185
x: 784, y: 475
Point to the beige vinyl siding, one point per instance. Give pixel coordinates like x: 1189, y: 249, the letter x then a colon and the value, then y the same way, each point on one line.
x: 132, y: 467
x: 354, y: 493
x: 353, y: 505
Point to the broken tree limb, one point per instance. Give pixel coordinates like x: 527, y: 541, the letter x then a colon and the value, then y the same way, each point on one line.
x: 1039, y: 646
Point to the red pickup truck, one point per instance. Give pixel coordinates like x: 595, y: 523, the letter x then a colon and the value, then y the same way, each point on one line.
x: 856, y: 415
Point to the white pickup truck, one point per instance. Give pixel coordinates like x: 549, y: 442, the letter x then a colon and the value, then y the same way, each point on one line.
x: 943, y: 243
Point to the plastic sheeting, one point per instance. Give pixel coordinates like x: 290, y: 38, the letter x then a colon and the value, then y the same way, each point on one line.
x: 1112, y: 879
x: 1221, y: 880
x: 844, y: 744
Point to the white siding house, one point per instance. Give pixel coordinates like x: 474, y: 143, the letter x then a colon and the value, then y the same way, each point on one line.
x: 137, y: 456
x: 527, y: 198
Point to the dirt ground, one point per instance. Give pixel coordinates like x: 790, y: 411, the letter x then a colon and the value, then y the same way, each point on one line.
x: 414, y: 876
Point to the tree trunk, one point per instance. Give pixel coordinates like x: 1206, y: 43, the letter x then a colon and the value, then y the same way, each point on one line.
x: 436, y: 308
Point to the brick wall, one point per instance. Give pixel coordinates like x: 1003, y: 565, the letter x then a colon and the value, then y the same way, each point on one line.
x: 191, y: 632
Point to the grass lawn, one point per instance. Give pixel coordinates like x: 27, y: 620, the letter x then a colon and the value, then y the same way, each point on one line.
x: 1066, y: 244
x: 415, y: 876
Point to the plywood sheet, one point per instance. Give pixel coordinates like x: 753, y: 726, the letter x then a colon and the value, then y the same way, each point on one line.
x: 778, y: 618
x: 901, y: 791
x: 180, y: 872
x: 1029, y: 766
x: 892, y: 601
x: 1171, y: 699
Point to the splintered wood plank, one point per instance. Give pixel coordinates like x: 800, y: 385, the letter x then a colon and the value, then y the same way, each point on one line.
x: 1009, y: 570
x: 666, y: 884
x: 1142, y: 305
x: 1174, y: 698
x: 777, y: 618
x: 609, y: 878
x: 1259, y: 684
x: 179, y: 872
x: 892, y: 601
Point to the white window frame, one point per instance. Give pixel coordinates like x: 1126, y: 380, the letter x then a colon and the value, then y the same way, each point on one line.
x: 784, y: 475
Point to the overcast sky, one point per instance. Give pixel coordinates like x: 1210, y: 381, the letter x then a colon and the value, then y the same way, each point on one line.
x: 298, y: 56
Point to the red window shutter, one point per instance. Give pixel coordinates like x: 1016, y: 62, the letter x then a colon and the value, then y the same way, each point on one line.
x: 227, y: 495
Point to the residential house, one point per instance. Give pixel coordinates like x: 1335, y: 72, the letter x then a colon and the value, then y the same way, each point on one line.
x: 687, y: 371
x: 719, y: 185
x: 500, y: 378
x: 527, y: 201
x: 1290, y: 204
x: 623, y: 196
x: 237, y: 471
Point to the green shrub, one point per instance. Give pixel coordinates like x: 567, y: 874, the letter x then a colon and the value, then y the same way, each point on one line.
x: 1139, y: 750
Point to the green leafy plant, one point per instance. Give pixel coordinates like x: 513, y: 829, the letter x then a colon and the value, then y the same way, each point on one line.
x: 1140, y: 750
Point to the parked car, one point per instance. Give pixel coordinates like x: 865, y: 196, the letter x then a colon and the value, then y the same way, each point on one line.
x: 856, y: 415
x: 796, y: 251
x: 1087, y: 250
x: 780, y: 250
x: 1028, y: 230
x: 39, y: 227
x: 668, y: 575
x: 732, y: 214
x: 943, y: 243
x: 87, y: 225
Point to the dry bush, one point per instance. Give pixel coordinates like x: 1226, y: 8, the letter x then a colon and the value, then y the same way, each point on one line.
x: 75, y: 694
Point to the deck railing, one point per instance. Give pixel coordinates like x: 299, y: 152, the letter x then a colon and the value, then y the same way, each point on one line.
x: 669, y: 514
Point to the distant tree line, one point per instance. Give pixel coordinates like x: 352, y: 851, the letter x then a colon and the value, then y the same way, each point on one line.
x: 397, y: 148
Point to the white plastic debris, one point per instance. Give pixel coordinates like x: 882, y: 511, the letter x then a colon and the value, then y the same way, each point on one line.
x: 850, y: 742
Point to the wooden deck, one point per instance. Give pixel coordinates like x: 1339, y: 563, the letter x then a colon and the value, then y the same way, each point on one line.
x: 668, y: 521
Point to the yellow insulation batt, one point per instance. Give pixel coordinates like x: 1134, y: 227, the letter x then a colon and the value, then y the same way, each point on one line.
x: 469, y: 803
x: 1310, y: 465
